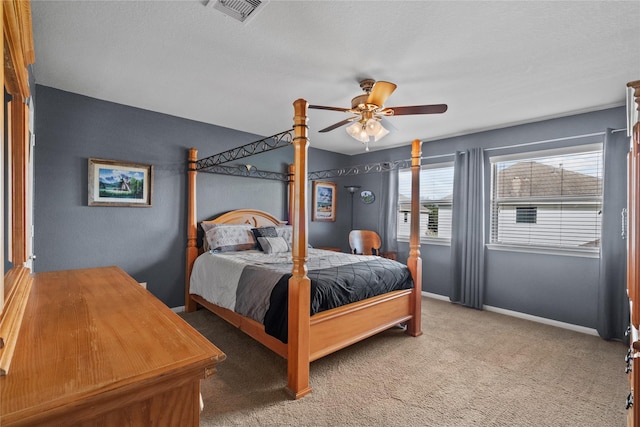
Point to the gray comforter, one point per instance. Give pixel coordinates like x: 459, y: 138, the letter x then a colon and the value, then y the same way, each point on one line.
x: 254, y: 284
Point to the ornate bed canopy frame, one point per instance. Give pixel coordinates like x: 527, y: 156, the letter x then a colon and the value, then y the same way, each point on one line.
x: 215, y: 163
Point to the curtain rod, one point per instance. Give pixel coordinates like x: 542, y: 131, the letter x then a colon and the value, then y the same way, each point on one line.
x: 528, y: 143
x: 566, y: 138
x: 437, y: 156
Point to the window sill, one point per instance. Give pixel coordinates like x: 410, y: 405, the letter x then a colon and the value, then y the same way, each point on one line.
x: 584, y: 253
x: 436, y: 242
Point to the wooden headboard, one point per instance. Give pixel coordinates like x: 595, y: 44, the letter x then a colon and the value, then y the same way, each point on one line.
x: 252, y: 217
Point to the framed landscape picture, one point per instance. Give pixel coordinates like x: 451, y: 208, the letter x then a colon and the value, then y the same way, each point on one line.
x: 324, y: 201
x: 114, y: 183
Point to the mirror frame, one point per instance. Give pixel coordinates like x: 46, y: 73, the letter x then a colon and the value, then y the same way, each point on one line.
x: 16, y: 282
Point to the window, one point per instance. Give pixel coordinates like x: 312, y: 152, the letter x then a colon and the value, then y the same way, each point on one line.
x: 548, y: 199
x: 436, y: 196
x: 526, y: 214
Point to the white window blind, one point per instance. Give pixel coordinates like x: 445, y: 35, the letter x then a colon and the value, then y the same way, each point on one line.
x: 551, y: 200
x: 436, y: 196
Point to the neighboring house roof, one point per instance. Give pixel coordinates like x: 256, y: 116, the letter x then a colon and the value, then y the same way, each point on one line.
x: 533, y: 179
x: 405, y: 202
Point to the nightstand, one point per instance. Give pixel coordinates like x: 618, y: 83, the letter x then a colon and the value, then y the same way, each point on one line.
x: 330, y: 249
x: 389, y: 255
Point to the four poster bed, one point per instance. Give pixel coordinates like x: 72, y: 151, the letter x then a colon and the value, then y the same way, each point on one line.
x: 306, y: 336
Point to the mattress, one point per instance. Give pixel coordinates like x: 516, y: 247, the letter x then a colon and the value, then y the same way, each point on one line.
x: 255, y: 284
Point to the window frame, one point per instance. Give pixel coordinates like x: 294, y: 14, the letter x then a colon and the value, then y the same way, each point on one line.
x: 592, y: 252
x: 400, y: 214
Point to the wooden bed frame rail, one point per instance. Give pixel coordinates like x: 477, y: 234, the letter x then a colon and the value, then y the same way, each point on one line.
x: 312, y: 337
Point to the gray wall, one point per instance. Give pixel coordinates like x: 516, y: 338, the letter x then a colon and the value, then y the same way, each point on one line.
x: 148, y: 243
x: 562, y: 288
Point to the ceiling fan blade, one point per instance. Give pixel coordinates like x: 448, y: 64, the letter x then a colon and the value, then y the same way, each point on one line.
x: 336, y: 125
x: 320, y: 107
x: 380, y: 93
x: 419, y: 109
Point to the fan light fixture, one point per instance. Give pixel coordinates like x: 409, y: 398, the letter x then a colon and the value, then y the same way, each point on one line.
x: 367, y: 130
x: 368, y: 110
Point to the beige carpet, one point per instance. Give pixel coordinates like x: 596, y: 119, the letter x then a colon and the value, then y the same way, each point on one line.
x: 470, y: 368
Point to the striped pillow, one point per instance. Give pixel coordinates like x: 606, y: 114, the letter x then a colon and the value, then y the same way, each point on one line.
x: 274, y: 245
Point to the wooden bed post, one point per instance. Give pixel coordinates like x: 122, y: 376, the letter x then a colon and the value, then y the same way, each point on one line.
x: 298, y: 357
x: 292, y: 169
x: 192, y: 229
x: 414, y: 262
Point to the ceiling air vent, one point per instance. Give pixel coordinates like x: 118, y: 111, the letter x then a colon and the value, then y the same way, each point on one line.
x: 240, y: 10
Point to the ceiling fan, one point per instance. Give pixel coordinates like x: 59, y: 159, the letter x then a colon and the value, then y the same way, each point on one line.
x: 369, y: 111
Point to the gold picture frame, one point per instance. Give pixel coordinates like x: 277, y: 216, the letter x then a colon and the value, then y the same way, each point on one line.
x: 116, y: 183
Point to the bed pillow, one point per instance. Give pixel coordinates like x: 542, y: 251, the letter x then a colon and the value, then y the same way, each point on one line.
x: 263, y: 232
x: 228, y: 237
x: 274, y: 245
x: 285, y: 231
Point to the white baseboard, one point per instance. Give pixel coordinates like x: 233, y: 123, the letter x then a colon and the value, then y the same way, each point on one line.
x: 435, y: 296
x: 563, y: 325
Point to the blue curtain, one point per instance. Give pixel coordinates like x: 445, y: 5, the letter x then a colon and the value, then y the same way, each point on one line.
x: 613, y: 305
x: 467, y: 234
x: 388, y: 221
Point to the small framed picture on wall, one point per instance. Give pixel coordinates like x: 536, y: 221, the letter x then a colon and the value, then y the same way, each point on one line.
x: 324, y: 201
x: 114, y: 183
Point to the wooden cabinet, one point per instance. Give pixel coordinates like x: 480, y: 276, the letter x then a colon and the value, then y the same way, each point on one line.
x: 632, y: 369
x: 633, y: 259
x: 98, y: 349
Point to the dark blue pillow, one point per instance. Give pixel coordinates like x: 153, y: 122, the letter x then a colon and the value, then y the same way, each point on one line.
x: 264, y: 232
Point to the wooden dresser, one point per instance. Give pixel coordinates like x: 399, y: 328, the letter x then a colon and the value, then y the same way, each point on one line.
x: 95, y: 348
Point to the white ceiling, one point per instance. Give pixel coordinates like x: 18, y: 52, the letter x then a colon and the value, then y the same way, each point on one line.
x: 494, y: 63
